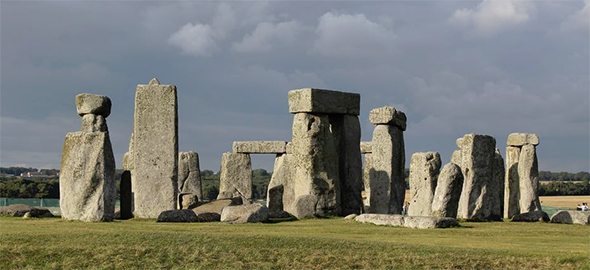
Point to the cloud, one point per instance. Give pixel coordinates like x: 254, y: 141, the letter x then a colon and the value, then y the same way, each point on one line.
x: 579, y: 20
x: 267, y: 34
x: 493, y: 16
x: 345, y: 35
x: 202, y: 39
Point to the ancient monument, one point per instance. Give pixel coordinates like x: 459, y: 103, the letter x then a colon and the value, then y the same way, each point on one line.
x: 483, y: 169
x: 384, y: 177
x: 521, y: 182
x: 424, y: 170
x: 86, y: 181
x: 154, y: 150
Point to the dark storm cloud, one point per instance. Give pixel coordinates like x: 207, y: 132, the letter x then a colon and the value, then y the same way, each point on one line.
x: 491, y: 67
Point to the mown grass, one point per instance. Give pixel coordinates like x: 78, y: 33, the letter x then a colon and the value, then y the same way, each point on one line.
x: 306, y: 244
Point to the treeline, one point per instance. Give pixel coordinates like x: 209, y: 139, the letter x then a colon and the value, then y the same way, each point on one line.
x: 563, y: 176
x: 564, y: 188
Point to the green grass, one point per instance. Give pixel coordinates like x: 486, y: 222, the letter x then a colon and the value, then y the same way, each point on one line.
x: 307, y: 244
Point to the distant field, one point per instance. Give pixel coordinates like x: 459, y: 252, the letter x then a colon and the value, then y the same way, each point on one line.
x: 564, y: 201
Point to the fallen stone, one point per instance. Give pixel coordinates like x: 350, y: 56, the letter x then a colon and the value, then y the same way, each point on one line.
x: 319, y: 101
x: 260, y: 147
x: 188, y: 201
x: 350, y: 217
x: 415, y: 222
x: 245, y: 213
x: 235, y: 178
x: 27, y: 215
x: 216, y: 206
x: 571, y: 217
x: 388, y: 116
x: 534, y: 216
x: 520, y: 139
x: 448, y: 191
x: 386, y: 181
x: 19, y: 210
x: 528, y: 176
x: 182, y: 215
x: 93, y: 104
x: 208, y: 217
x: 155, y: 150
x: 189, y: 178
x: 86, y: 181
x: 424, y: 170
x: 366, y: 147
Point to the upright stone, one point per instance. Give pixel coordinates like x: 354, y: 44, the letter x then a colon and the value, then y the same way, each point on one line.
x: 314, y: 163
x: 347, y: 135
x: 528, y: 173
x: 511, y: 183
x: 86, y: 182
x: 189, y: 178
x: 125, y: 196
x: 387, y: 172
x: 155, y: 149
x: 448, y: 191
x: 235, y: 178
x: 424, y: 170
x: 478, y: 193
x: 497, y: 186
x: 367, y: 183
x: 277, y: 187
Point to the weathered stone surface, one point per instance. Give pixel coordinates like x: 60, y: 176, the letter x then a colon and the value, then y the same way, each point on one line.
x: 93, y: 104
x: 189, y: 179
x: 388, y: 115
x: 366, y: 147
x: 188, y: 201
x: 511, y: 184
x: 276, y: 187
x: 496, y: 188
x: 19, y: 210
x: 456, y: 157
x: 448, y: 191
x: 350, y: 217
x: 528, y: 176
x: 125, y: 196
x: 182, y: 215
x: 534, y: 216
x: 235, y: 178
x: 310, y: 100
x: 367, y: 182
x: 571, y: 217
x: 155, y: 149
x: 127, y: 161
x: 313, y: 167
x: 216, y: 206
x: 245, y: 213
x: 421, y: 222
x: 520, y: 139
x: 86, y: 181
x: 289, y: 148
x: 93, y: 123
x: 386, y: 175
x: 478, y: 156
x: 415, y: 222
x: 346, y: 131
x: 260, y: 147
x: 208, y: 217
x: 424, y: 170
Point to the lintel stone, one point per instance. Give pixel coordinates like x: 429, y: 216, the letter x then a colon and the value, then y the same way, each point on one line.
x: 388, y: 115
x: 311, y: 100
x: 260, y: 147
x: 520, y: 139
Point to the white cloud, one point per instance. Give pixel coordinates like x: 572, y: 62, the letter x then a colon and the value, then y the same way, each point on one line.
x: 267, y: 34
x: 493, y: 16
x: 351, y: 35
x: 579, y: 20
x: 202, y: 39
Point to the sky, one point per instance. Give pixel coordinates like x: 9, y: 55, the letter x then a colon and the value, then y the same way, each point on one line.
x: 454, y: 67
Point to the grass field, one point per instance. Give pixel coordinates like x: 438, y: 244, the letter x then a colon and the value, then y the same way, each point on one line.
x: 306, y: 244
x: 564, y: 201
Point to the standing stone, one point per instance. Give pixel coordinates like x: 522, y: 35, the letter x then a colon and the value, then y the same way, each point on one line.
x: 86, y: 181
x: 424, y: 170
x: 478, y: 162
x: 314, y: 163
x: 528, y: 173
x: 347, y: 136
x: 367, y: 183
x: 511, y: 184
x: 278, y: 187
x: 235, y: 178
x: 387, y: 172
x: 448, y: 191
x: 497, y: 186
x: 155, y: 149
x: 125, y: 196
x: 189, y: 178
